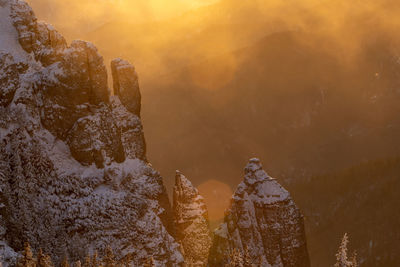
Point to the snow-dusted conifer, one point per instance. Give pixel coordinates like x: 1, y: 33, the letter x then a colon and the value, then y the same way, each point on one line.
x: 354, y: 260
x: 87, y: 262
x: 235, y: 259
x: 109, y: 259
x: 246, y: 258
x: 43, y: 260
x: 342, y: 258
x: 27, y: 259
x: 94, y: 259
x: 40, y: 258
x: 65, y: 262
x: 239, y: 259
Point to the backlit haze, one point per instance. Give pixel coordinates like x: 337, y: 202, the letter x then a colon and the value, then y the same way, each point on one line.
x: 309, y: 86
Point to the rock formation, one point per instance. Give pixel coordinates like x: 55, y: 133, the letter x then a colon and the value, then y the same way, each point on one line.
x: 191, y: 220
x: 264, y: 220
x: 73, y: 170
x: 126, y: 85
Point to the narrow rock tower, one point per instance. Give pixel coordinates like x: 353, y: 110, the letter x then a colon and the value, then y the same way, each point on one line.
x: 264, y: 220
x: 191, y: 220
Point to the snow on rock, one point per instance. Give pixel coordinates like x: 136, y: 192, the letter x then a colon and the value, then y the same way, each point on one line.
x: 191, y: 220
x: 131, y: 130
x: 41, y: 39
x: 263, y: 218
x: 8, y: 34
x: 73, y: 172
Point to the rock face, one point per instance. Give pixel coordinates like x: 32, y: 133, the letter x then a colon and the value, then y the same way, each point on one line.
x: 191, y: 220
x: 73, y: 170
x: 126, y: 85
x: 263, y: 218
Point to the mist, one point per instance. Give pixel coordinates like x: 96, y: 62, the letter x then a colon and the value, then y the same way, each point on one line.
x: 162, y: 36
x: 311, y: 87
x: 165, y: 39
x: 75, y: 18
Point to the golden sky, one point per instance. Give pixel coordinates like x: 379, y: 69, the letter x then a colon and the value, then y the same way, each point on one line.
x: 79, y: 12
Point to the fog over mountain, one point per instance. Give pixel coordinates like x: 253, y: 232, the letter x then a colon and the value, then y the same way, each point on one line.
x: 310, y: 87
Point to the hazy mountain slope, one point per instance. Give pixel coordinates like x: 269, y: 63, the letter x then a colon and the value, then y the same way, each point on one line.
x: 361, y: 201
x: 162, y: 47
x: 303, y: 109
x: 287, y: 98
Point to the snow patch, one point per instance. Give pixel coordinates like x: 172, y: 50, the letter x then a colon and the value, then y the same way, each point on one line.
x: 8, y: 34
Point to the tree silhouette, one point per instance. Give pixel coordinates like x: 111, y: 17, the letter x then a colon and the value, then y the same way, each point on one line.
x: 342, y: 258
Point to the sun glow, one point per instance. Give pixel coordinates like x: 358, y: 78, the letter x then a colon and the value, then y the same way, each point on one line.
x: 155, y: 9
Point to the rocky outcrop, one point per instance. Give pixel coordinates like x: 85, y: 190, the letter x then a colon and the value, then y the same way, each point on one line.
x: 126, y: 85
x: 72, y: 87
x: 9, y: 77
x: 37, y: 37
x: 131, y: 130
x: 264, y: 220
x: 96, y: 138
x: 73, y: 171
x: 191, y: 220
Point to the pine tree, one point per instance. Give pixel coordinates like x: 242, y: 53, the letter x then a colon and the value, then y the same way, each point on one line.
x: 341, y: 256
x: 354, y: 260
x: 94, y: 260
x: 87, y: 262
x: 43, y: 260
x: 109, y: 260
x: 239, y: 260
x: 235, y: 259
x: 65, y: 262
x: 27, y: 259
x: 40, y: 258
x: 247, y: 258
x: 47, y: 261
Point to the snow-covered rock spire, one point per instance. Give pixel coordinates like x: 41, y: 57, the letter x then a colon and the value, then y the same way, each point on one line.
x: 263, y: 218
x: 191, y: 220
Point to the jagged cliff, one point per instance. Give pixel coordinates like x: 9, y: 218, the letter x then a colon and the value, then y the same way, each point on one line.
x: 264, y: 219
x: 73, y: 169
x: 191, y: 220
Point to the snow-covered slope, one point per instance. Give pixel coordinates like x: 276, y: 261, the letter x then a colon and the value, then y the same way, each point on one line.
x: 263, y: 218
x: 73, y: 170
x: 191, y: 220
